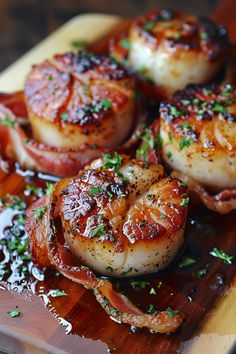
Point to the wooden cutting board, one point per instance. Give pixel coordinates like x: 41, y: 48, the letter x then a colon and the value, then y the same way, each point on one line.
x: 37, y: 331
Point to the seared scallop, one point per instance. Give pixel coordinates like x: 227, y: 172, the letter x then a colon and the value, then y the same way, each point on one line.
x: 122, y: 218
x: 80, y: 99
x: 172, y: 49
x: 198, y: 133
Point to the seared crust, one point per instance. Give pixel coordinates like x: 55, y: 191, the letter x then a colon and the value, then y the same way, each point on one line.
x: 78, y: 99
x: 198, y: 129
x: 171, y: 49
x: 182, y: 31
x: 125, y: 223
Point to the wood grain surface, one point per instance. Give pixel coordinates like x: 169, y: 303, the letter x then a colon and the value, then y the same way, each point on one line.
x: 210, y: 327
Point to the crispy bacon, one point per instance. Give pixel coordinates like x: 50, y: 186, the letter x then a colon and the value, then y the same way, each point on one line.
x: 47, y: 245
x: 17, y: 143
x: 222, y: 202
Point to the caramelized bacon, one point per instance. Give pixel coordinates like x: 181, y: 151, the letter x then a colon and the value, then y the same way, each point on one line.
x: 222, y: 202
x: 17, y: 143
x: 46, y: 235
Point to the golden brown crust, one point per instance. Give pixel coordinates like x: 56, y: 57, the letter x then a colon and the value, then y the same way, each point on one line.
x: 72, y: 88
x: 199, y: 108
x: 182, y: 31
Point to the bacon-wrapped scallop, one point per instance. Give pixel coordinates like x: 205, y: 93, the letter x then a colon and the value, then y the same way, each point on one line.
x: 79, y: 106
x: 197, y: 138
x: 78, y: 99
x: 118, y: 217
x: 172, y: 49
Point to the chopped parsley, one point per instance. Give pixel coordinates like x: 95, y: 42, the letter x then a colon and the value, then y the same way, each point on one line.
x: 107, y: 104
x: 64, y: 116
x: 153, y: 291
x: 184, y: 202
x: 125, y: 43
x: 78, y: 44
x: 185, y: 102
x: 185, y: 125
x: 94, y: 190
x: 169, y: 154
x: 151, y: 309
x: 31, y: 189
x: 141, y: 284
x: 219, y: 108
x: 112, y: 162
x: 204, y: 35
x: 206, y: 91
x: 185, y: 143
x: 163, y: 216
x: 85, y: 90
x: 186, y: 262
x: 171, y: 312
x: 38, y: 212
x: 149, y: 25
x: 58, y: 293
x: 182, y: 184
x: 147, y: 143
x: 98, y: 231
x: 218, y: 253
x: 127, y: 271
x: 14, y: 313
x: 7, y: 121
x: 17, y: 245
x: 201, y: 272
x: 49, y: 188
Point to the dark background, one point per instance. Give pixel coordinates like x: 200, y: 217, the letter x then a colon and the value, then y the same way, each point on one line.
x: 23, y: 23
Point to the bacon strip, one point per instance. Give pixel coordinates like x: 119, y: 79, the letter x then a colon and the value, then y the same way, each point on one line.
x: 117, y: 306
x: 16, y: 144
x: 222, y: 202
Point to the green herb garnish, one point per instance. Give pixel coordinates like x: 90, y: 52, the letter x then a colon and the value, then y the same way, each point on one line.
x: 7, y: 121
x: 112, y: 162
x: 125, y: 43
x: 14, y: 313
x: 186, y: 262
x: 171, y: 312
x: 107, y: 104
x: 58, y: 293
x: 142, y: 284
x: 94, y: 190
x: 185, y: 143
x: 98, y: 231
x: 78, y: 44
x: 218, y: 253
x: 184, y: 202
x: 38, y: 213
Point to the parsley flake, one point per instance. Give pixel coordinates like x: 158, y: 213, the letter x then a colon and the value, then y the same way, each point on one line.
x: 171, y: 312
x: 38, y: 212
x: 7, y: 121
x: 58, y: 293
x: 94, y: 190
x: 125, y: 43
x: 14, y: 313
x: 107, y: 104
x: 218, y: 253
x: 98, y: 231
x: 78, y: 44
